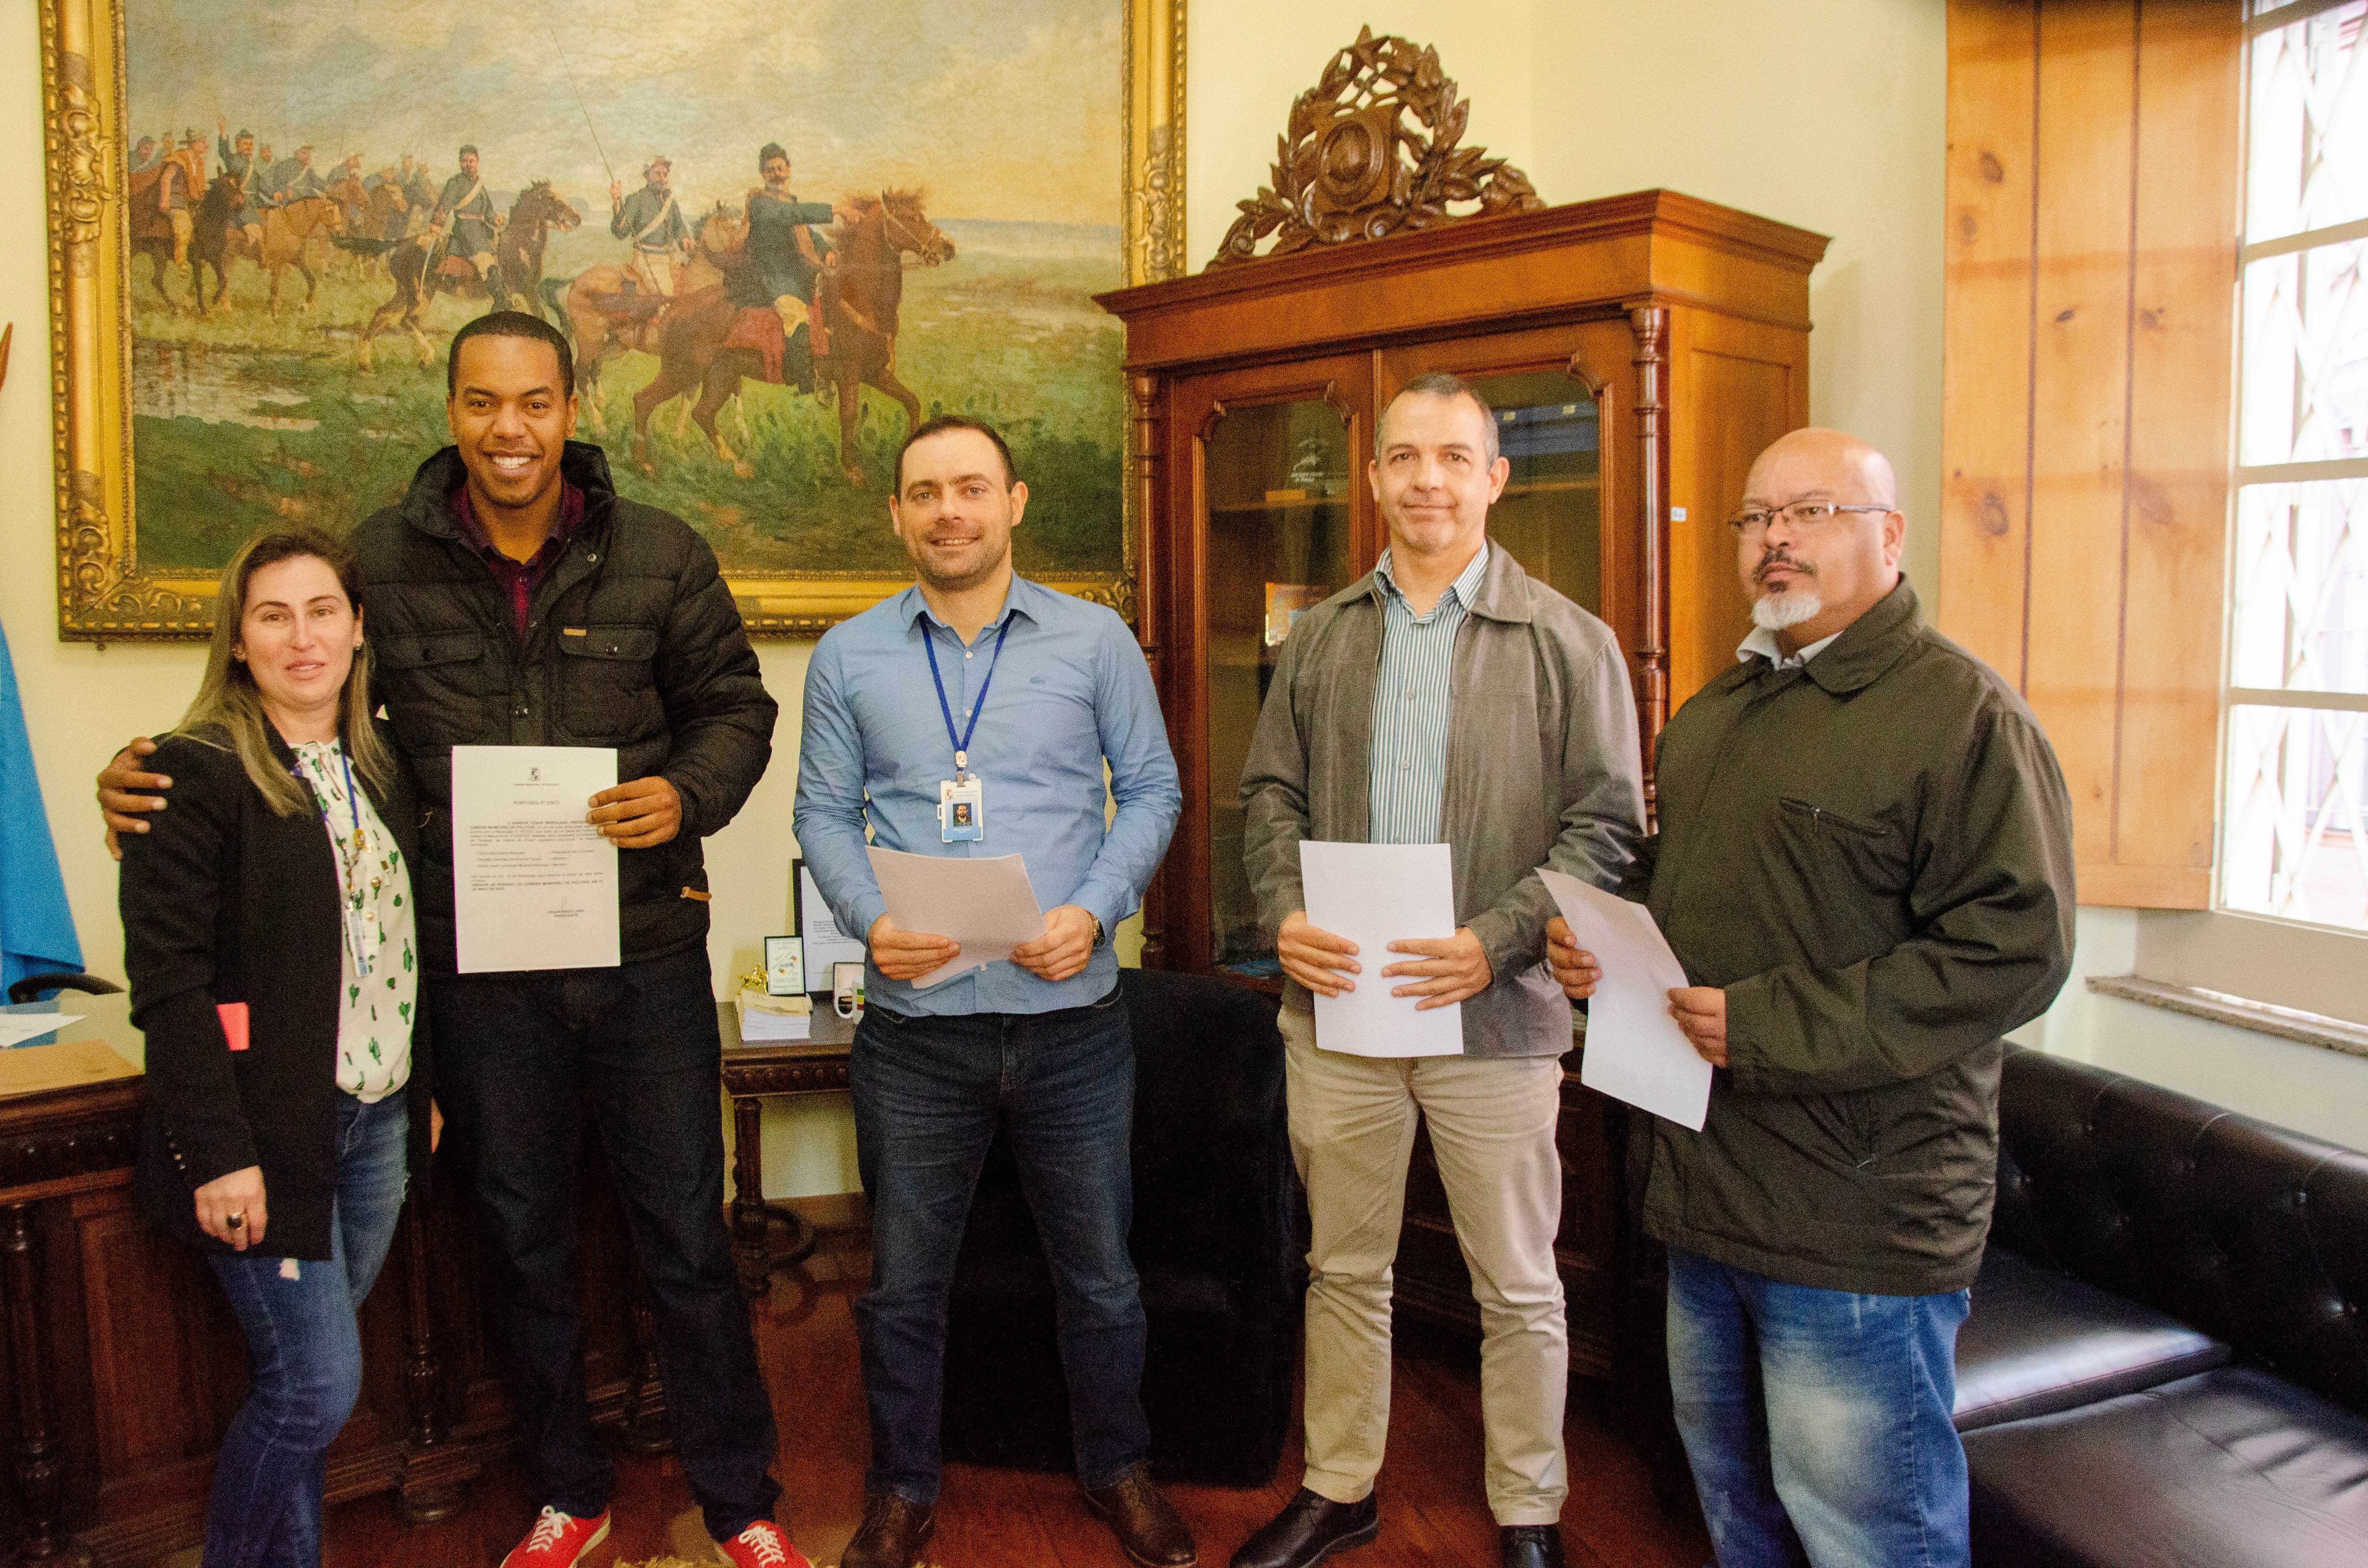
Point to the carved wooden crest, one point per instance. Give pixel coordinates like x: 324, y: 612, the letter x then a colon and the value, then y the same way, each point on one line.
x: 1351, y: 167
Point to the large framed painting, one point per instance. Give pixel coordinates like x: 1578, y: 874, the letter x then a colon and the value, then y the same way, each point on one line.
x: 777, y: 231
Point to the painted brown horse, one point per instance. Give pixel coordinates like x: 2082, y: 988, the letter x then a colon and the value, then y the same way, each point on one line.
x: 605, y: 319
x: 862, y: 321
x: 288, y: 231
x: 152, y: 235
x: 518, y: 251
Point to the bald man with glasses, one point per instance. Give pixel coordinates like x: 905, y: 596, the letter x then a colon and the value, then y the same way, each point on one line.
x: 1864, y: 863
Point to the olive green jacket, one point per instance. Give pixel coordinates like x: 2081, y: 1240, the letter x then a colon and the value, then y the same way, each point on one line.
x: 1873, y: 855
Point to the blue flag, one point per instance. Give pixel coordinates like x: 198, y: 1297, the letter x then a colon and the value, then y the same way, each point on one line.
x: 37, y: 932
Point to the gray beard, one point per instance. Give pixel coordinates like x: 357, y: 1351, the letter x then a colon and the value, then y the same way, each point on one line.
x: 1780, y: 611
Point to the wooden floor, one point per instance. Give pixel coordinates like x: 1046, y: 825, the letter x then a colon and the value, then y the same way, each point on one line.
x: 1432, y: 1509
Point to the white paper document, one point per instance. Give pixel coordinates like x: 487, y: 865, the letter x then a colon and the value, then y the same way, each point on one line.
x: 1375, y: 895
x: 534, y: 885
x: 1635, y: 1049
x: 985, y: 904
x: 15, y: 1029
x: 824, y: 943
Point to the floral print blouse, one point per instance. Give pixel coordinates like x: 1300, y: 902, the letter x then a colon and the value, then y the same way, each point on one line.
x: 381, y: 985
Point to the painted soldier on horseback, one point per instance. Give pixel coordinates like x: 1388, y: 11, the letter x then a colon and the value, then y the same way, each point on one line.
x: 652, y: 223
x: 465, y: 224
x: 238, y: 163
x: 789, y: 271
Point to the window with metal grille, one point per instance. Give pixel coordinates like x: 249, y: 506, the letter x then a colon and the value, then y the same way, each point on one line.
x: 2295, y: 729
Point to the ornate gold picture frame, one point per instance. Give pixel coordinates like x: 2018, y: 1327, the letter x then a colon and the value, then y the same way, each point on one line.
x: 109, y: 589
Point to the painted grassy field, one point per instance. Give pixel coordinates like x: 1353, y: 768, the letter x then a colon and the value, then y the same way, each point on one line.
x: 243, y: 419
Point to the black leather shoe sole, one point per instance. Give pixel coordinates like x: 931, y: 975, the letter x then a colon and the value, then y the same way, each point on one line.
x: 1349, y: 1542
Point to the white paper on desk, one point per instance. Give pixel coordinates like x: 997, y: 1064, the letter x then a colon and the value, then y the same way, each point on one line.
x: 534, y: 885
x: 1375, y: 895
x: 15, y: 1029
x: 985, y: 904
x: 819, y: 936
x: 1635, y: 1049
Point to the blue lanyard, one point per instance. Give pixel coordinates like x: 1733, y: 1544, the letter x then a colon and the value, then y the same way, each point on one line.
x: 978, y: 706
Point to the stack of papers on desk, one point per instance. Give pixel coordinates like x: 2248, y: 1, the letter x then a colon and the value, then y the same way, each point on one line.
x: 766, y: 1019
x: 18, y: 1028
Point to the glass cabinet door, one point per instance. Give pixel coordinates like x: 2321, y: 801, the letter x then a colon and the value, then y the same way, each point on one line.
x: 1278, y: 480
x: 1551, y: 515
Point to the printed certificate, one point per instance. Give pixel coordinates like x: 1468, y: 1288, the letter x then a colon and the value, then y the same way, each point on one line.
x: 534, y: 885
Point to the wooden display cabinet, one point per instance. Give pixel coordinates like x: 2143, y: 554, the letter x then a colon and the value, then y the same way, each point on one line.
x: 1640, y: 350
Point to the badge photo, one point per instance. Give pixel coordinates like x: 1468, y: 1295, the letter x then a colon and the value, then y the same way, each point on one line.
x: 962, y: 811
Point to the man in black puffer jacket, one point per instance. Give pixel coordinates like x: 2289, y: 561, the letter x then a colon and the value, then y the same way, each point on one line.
x: 514, y: 598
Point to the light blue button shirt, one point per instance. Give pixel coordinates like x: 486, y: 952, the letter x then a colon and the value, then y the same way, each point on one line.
x: 1410, y: 697
x: 1070, y: 690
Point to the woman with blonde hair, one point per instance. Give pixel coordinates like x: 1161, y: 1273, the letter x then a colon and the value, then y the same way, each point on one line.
x: 269, y: 940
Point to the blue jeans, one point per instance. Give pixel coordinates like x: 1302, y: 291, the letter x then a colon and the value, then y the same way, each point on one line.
x: 515, y: 1054
x: 306, y: 1349
x: 927, y: 1091
x: 1817, y: 1421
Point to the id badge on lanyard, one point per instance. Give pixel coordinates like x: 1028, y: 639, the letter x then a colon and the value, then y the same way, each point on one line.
x: 960, y: 810
x: 962, y: 800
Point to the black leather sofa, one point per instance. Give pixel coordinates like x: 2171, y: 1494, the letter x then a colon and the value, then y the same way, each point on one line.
x: 2166, y: 1361
x: 1213, y: 1242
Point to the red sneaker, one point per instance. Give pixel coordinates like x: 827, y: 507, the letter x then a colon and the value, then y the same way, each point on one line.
x: 762, y: 1545
x: 558, y: 1540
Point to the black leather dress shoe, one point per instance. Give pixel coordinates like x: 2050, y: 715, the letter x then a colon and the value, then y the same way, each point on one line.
x: 891, y: 1535
x: 1531, y: 1546
x: 1310, y: 1530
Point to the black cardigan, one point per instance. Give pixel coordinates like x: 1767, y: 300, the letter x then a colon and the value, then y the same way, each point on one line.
x: 223, y: 900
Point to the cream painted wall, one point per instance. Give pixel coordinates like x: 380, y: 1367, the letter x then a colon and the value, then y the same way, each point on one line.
x: 1827, y: 116
x: 1245, y: 60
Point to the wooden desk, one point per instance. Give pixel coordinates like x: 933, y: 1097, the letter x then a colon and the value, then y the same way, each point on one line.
x: 817, y: 1066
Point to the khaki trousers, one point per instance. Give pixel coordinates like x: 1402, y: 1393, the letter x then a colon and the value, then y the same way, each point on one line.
x: 1492, y: 1126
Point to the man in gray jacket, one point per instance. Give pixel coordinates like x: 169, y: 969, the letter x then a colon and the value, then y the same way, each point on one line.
x: 1864, y: 863
x: 1444, y: 697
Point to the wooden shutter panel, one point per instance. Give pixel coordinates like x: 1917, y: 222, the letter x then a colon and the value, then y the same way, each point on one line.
x: 2093, y: 184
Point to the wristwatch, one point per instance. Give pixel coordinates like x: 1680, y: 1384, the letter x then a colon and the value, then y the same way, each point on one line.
x: 1100, y: 938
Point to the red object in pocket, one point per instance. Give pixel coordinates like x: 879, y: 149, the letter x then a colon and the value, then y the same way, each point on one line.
x: 233, y: 1023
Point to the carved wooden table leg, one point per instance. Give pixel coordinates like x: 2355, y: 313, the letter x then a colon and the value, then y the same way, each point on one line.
x: 646, y: 1430
x: 436, y: 1474
x: 38, y: 1480
x: 753, y: 1218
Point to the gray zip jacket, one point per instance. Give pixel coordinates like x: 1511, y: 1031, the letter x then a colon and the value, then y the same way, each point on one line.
x: 1543, y: 769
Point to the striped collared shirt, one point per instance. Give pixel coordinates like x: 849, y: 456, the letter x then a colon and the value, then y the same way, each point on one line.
x: 1410, y: 692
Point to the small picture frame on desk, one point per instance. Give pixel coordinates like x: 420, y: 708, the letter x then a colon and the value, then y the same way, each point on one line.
x: 785, y: 966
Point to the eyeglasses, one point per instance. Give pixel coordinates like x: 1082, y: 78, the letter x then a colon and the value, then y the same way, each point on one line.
x: 1806, y: 516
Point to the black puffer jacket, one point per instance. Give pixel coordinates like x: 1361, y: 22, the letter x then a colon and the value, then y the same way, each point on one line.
x: 631, y: 641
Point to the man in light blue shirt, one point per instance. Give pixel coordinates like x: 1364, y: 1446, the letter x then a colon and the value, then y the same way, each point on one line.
x: 975, y: 687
